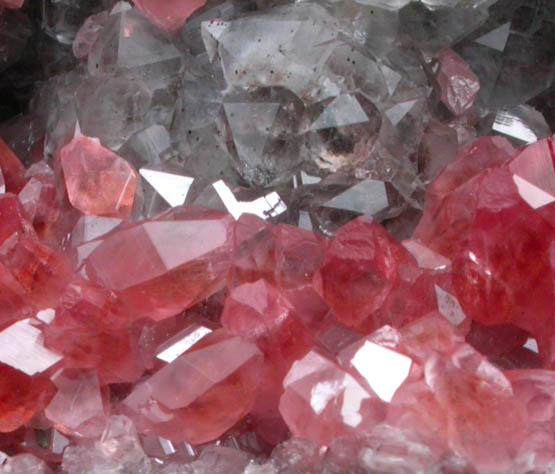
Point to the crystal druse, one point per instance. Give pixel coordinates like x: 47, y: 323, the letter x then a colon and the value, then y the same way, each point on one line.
x: 277, y: 237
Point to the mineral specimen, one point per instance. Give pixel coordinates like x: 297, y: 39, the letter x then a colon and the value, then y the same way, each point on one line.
x: 274, y: 237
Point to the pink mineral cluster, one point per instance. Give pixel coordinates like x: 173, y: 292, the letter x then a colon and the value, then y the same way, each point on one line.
x: 192, y: 324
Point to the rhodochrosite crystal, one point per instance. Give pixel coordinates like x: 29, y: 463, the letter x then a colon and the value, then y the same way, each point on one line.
x: 360, y: 268
x: 277, y: 237
x: 169, y: 15
x: 201, y: 394
x: 99, y: 182
x: 459, y: 85
x: 162, y: 266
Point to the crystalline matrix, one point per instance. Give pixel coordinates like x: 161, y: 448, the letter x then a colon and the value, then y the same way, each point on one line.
x: 277, y: 237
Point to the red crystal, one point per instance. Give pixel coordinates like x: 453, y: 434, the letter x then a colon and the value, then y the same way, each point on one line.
x: 359, y: 270
x: 40, y: 271
x: 21, y: 397
x: 258, y: 312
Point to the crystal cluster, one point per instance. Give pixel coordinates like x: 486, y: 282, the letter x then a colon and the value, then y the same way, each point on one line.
x: 266, y: 237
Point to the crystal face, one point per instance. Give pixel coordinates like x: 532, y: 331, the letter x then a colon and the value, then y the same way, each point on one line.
x: 277, y: 237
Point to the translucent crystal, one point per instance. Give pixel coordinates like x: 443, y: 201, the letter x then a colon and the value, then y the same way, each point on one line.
x: 367, y: 197
x: 172, y: 187
x: 119, y: 449
x: 99, y: 182
x: 112, y: 108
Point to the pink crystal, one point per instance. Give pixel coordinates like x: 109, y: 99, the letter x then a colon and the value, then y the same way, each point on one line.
x: 459, y: 85
x: 360, y: 268
x: 80, y: 392
x: 485, y: 422
x: 11, y: 4
x: 298, y: 255
x: 258, y: 312
x: 254, y: 248
x: 322, y: 401
x: 201, y: 394
x: 98, y: 182
x: 91, y: 330
x: 162, y: 266
x: 169, y: 15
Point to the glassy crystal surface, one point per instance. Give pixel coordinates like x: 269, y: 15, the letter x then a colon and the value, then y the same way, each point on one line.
x: 273, y: 237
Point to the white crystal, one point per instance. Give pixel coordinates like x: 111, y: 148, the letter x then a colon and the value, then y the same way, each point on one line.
x: 392, y: 78
x: 167, y: 446
x: 46, y: 315
x: 172, y: 187
x: 449, y: 306
x: 534, y: 196
x: 89, y: 228
x: 21, y: 346
x: 249, y: 125
x: 384, y: 370
x: 309, y: 179
x: 181, y: 342
x: 304, y: 220
x: 58, y: 442
x: 140, y: 43
x: 531, y: 344
x: 522, y: 122
x: 264, y: 207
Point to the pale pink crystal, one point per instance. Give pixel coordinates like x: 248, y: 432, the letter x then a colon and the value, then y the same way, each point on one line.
x: 162, y: 266
x: 322, y: 401
x: 98, y: 182
x: 78, y: 390
x: 459, y: 85
x: 201, y: 394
